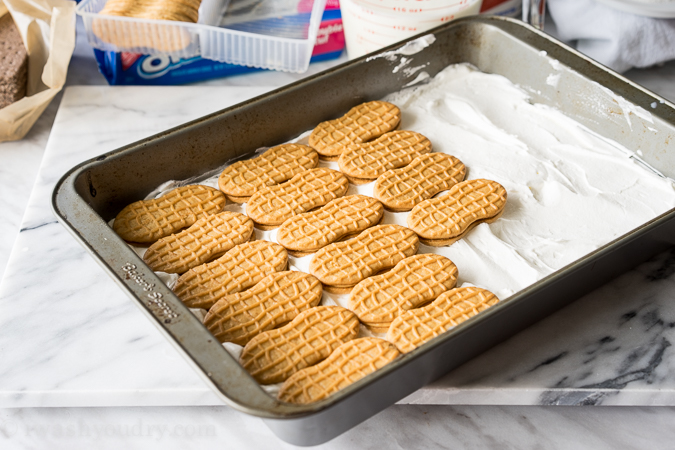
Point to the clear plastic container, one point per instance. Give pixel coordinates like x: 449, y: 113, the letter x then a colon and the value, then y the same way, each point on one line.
x: 372, y: 24
x: 268, y: 34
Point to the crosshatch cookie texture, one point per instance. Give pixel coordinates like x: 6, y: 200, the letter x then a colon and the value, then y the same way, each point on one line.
x: 427, y: 175
x: 273, y: 356
x: 147, y: 221
x: 342, y: 217
x: 158, y: 36
x: 346, y: 365
x: 240, y: 180
x: 415, y: 327
x: 239, y: 269
x: 207, y: 239
x: 341, y: 265
x: 412, y: 283
x: 364, y: 162
x: 270, y: 206
x: 445, y: 219
x: 275, y: 300
x: 179, y: 10
x: 361, y: 124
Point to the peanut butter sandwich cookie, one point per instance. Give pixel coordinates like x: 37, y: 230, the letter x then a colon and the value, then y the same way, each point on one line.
x: 343, y: 217
x: 362, y: 163
x: 273, y: 356
x: 346, y: 365
x: 415, y: 327
x: 271, y: 206
x: 275, y: 300
x: 147, y: 221
x: 178, y: 10
x: 427, y: 175
x: 445, y: 219
x: 278, y: 164
x: 151, y: 35
x: 239, y: 269
x: 361, y: 124
x: 207, y: 239
x: 341, y: 265
x: 412, y: 283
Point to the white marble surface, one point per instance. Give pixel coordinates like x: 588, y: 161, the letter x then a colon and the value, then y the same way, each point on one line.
x: 95, y: 349
x: 641, y: 321
x: 611, y: 347
x: 50, y: 275
x: 409, y: 427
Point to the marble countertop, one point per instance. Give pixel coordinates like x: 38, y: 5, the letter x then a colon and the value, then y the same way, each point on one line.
x: 570, y: 360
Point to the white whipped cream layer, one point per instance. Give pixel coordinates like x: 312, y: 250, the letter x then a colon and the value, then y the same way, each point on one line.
x: 569, y: 190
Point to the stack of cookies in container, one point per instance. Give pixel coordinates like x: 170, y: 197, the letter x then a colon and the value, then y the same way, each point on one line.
x: 296, y: 259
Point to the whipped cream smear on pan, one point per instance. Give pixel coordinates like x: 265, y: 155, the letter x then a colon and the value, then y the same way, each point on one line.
x: 569, y: 190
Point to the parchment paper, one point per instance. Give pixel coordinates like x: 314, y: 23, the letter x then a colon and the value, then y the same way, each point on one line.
x: 47, y: 28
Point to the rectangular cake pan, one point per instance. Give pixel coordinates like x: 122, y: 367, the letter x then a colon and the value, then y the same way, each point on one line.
x: 92, y: 193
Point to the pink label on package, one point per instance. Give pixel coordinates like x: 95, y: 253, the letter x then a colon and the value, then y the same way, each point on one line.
x: 306, y: 5
x: 330, y: 37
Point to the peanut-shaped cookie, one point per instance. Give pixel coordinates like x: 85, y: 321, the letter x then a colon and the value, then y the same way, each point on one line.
x: 362, y: 163
x: 346, y: 365
x: 207, y: 239
x: 271, y: 206
x: 342, y: 265
x: 427, y: 175
x: 240, y: 180
x: 183, y: 11
x: 415, y: 327
x: 445, y: 219
x: 306, y: 233
x: 361, y: 124
x: 275, y: 300
x: 146, y: 221
x: 273, y: 356
x: 237, y: 270
x: 413, y: 282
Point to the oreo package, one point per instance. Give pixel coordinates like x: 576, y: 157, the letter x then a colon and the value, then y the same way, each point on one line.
x: 136, y: 69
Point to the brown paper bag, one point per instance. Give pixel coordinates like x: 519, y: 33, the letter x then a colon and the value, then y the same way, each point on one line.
x: 47, y: 28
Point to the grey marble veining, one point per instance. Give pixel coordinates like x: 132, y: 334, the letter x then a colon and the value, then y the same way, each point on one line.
x: 58, y: 309
x: 611, y: 347
x: 19, y: 163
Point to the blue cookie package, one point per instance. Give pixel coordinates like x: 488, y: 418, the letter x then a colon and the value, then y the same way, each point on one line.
x: 136, y: 69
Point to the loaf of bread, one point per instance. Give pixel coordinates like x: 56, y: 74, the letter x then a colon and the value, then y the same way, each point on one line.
x: 13, y: 63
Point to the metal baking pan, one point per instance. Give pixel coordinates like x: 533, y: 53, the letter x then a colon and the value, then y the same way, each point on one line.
x: 92, y: 193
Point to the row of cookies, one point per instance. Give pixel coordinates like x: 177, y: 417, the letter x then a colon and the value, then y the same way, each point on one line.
x: 359, y: 357
x: 407, y: 177
x: 208, y: 237
x: 313, y: 333
x: 339, y: 266
x: 211, y: 231
x: 212, y: 236
x: 238, y: 283
x: 362, y: 161
x: 385, y: 238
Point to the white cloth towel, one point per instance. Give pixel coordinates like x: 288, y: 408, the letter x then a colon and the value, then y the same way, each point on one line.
x: 614, y: 38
